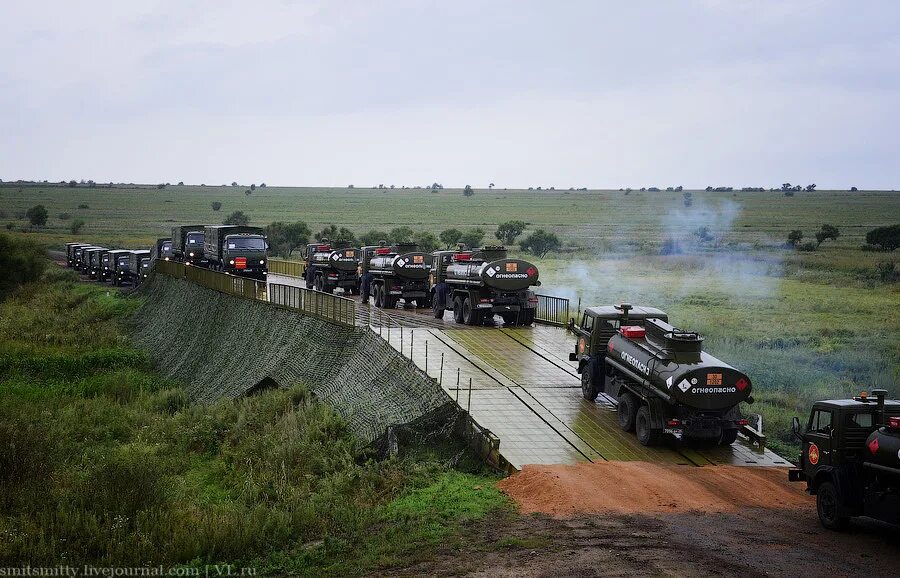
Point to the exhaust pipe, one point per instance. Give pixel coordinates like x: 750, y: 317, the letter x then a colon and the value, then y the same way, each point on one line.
x: 880, y: 394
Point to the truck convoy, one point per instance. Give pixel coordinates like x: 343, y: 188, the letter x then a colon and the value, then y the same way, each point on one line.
x: 235, y: 249
x: 398, y: 272
x: 328, y: 268
x: 850, y: 458
x: 187, y: 244
x: 664, y: 382
x: 480, y: 283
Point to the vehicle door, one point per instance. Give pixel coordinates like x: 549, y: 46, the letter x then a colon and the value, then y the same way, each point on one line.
x: 817, y: 443
x: 583, y: 332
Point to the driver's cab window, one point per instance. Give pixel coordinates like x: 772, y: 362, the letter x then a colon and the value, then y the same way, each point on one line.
x: 820, y: 422
x: 587, y: 323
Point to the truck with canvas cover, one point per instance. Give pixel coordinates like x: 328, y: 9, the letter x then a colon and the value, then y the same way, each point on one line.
x: 139, y: 265
x: 187, y: 244
x: 79, y: 257
x: 94, y: 261
x: 481, y: 283
x: 398, y: 272
x: 663, y: 380
x: 238, y: 250
x: 108, y: 263
x: 70, y: 252
x: 328, y: 267
x: 161, y: 250
x: 850, y: 458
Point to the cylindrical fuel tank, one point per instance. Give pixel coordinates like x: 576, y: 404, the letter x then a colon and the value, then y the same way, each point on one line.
x: 342, y: 259
x: 883, y: 447
x: 503, y: 274
x: 695, y: 378
x: 413, y: 265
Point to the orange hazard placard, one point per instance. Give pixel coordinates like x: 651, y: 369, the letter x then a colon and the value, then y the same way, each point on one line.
x: 813, y: 454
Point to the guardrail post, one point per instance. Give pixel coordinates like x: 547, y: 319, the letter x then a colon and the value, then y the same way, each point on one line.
x: 426, y: 357
x: 441, y: 374
x: 469, y: 405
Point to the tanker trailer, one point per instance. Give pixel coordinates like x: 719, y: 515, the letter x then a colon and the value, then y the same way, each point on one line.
x: 481, y: 283
x: 666, y: 384
x: 328, y: 268
x: 397, y: 272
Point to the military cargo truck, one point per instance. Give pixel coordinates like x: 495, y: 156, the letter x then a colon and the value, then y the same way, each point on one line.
x: 480, y: 283
x: 237, y: 250
x: 79, y: 257
x: 139, y: 264
x: 398, y: 272
x: 187, y: 244
x: 850, y: 458
x: 118, y: 266
x: 93, y: 261
x: 70, y: 252
x: 161, y: 249
x: 328, y: 268
x: 664, y: 382
x: 108, y: 264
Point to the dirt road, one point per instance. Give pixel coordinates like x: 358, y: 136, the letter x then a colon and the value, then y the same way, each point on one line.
x: 626, y: 519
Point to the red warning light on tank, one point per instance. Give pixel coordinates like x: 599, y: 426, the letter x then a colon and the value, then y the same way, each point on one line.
x: 873, y: 446
x: 741, y: 384
x: 531, y: 271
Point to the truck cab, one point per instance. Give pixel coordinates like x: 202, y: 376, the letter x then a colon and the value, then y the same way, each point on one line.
x: 849, y: 458
x: 593, y: 332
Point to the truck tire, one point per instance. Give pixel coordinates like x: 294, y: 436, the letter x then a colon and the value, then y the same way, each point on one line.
x: 645, y: 433
x: 729, y: 436
x: 378, y: 297
x: 527, y: 317
x: 588, y: 384
x: 469, y: 312
x: 627, y: 410
x: 827, y: 507
x: 437, y: 310
x: 457, y: 309
x: 390, y: 301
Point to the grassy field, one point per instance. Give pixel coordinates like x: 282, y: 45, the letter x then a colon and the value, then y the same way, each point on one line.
x: 102, y: 462
x: 804, y: 325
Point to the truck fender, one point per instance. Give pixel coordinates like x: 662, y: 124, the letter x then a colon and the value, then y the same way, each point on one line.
x: 659, y: 412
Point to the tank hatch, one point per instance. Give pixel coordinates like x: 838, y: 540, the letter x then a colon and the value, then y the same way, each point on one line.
x: 668, y: 337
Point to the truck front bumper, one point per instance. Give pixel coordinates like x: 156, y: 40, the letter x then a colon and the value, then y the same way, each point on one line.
x: 796, y: 475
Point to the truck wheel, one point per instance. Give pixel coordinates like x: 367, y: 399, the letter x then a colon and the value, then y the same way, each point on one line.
x: 828, y: 506
x: 626, y: 411
x: 390, y: 301
x: 645, y: 434
x: 378, y: 297
x: 469, y: 313
x: 588, y: 388
x: 458, y: 309
x: 729, y: 436
x: 437, y: 310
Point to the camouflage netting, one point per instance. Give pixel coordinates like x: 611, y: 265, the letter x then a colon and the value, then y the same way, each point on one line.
x: 222, y: 346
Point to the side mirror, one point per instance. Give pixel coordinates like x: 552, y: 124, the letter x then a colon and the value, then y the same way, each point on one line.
x: 795, y: 427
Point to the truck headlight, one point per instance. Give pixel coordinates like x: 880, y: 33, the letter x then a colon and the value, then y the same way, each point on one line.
x: 191, y: 254
x: 231, y: 262
x: 262, y: 261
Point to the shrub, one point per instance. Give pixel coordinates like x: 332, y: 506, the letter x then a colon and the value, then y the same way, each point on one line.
x: 508, y: 231
x: 83, y: 206
x: 472, y: 237
x: 827, y: 232
x: 21, y: 261
x: 425, y: 241
x: 237, y: 218
x: 887, y: 270
x: 885, y: 238
x: 450, y: 237
x: 216, y: 205
x: 76, y: 226
x: 794, y: 237
x: 541, y: 242
x: 64, y: 216
x: 808, y: 246
x: 37, y: 215
x: 468, y: 191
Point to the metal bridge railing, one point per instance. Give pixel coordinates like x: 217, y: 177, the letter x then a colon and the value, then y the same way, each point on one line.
x: 552, y: 310
x: 230, y: 284
x: 286, y: 267
x: 325, y: 306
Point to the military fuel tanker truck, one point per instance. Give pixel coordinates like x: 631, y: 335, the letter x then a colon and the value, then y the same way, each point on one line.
x: 664, y: 382
x: 397, y: 272
x: 328, y: 268
x: 187, y: 244
x: 850, y: 458
x: 235, y: 249
x: 481, y: 283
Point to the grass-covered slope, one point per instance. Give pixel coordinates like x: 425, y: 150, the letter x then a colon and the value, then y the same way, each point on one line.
x: 222, y: 346
x: 103, y: 461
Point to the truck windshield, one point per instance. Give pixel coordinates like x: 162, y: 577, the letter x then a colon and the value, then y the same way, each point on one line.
x: 123, y: 261
x: 167, y: 247
x: 195, y: 239
x: 145, y: 263
x: 257, y: 243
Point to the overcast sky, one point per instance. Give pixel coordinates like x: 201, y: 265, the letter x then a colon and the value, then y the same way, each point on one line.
x: 520, y: 93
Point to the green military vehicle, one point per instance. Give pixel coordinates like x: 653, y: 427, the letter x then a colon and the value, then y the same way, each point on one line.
x: 118, y: 265
x: 187, y: 244
x: 70, y: 252
x: 108, y: 264
x: 238, y: 250
x: 398, y: 272
x: 161, y: 250
x: 480, y: 283
x: 79, y: 257
x: 329, y: 268
x: 850, y: 458
x: 94, y: 261
x: 139, y: 265
x: 663, y: 381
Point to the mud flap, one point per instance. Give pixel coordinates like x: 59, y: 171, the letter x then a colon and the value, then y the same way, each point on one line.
x: 659, y: 413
